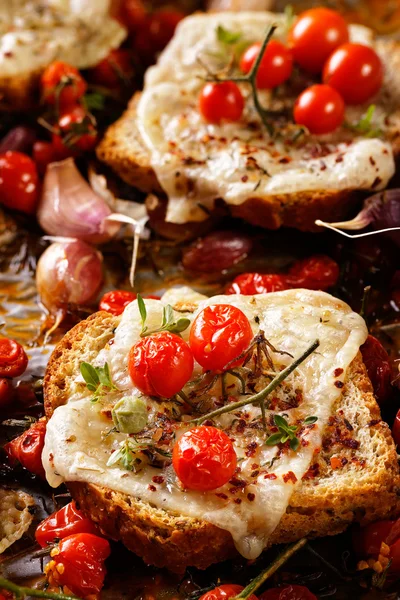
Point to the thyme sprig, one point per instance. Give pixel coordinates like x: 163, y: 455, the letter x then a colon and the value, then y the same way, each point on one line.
x: 168, y: 322
x: 133, y: 454
x: 365, y: 125
x: 98, y: 380
x: 260, y: 396
x: 287, y: 432
x: 251, y: 79
x: 20, y: 591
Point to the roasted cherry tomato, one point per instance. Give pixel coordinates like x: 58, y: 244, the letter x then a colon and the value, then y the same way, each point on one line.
x: 13, y: 359
x: 27, y: 449
x: 115, y: 302
x: 66, y: 521
x: 221, y: 101
x: 288, y: 592
x: 367, y: 540
x: 377, y: 361
x: 204, y: 458
x: 44, y: 153
x: 63, y: 82
x: 82, y: 558
x: 114, y: 71
x: 275, y: 67
x: 6, y: 392
x: 155, y: 32
x: 133, y: 15
x: 317, y: 272
x: 77, y: 133
x: 396, y: 429
x: 223, y: 592
x: 220, y: 334
x: 257, y: 283
x: 315, y: 35
x: 320, y: 108
x: 19, y: 182
x: 160, y: 364
x: 355, y: 71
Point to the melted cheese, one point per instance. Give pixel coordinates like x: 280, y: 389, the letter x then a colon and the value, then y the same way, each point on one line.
x: 76, y: 449
x: 33, y: 33
x: 197, y: 162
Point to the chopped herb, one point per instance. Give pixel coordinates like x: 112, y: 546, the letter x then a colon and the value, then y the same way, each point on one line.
x: 287, y: 432
x: 227, y: 37
x: 94, y: 101
x: 168, y: 322
x: 365, y: 125
x: 97, y: 379
x: 132, y: 455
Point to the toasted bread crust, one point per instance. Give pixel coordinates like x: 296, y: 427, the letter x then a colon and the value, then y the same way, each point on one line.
x: 324, y: 505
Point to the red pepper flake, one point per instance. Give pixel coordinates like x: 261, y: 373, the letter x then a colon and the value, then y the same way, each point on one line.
x: 255, y: 473
x: 312, y: 472
x: 152, y: 488
x: 373, y: 422
x: 376, y: 182
x: 339, y: 384
x: 239, y: 483
x: 289, y: 476
x: 270, y: 476
x: 323, y: 165
x: 157, y: 479
x: 251, y: 497
x: 338, y: 372
x: 336, y: 463
x: 372, y: 161
x: 339, y: 158
x: 245, y: 178
x: 237, y: 501
x: 221, y: 495
x: 284, y: 160
x: 251, y: 449
x: 255, y: 466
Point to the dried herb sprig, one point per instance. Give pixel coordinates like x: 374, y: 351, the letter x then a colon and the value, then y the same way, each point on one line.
x: 98, y: 380
x: 168, y: 322
x: 20, y: 591
x: 260, y: 396
x: 287, y: 432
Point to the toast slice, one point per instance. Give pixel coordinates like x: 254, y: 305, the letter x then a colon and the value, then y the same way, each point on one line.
x: 273, y: 204
x: 355, y: 476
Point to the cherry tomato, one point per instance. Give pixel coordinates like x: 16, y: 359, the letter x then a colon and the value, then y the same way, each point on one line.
x: 395, y: 429
x: 27, y: 449
x: 219, y: 334
x: 221, y: 101
x: 288, y: 592
x: 66, y: 521
x: 82, y: 556
x: 257, y: 283
x: 223, y: 592
x: 394, y: 556
x: 320, y: 108
x: 377, y: 361
x: 355, y: 71
x: 114, y: 71
x: 204, y: 458
x: 317, y: 272
x: 155, y: 32
x: 13, y: 359
x: 65, y: 78
x: 19, y: 182
x: 275, y: 67
x: 160, y: 364
x: 77, y: 133
x: 6, y: 392
x: 133, y: 15
x: 367, y: 540
x: 315, y: 35
x: 115, y: 302
x: 44, y: 153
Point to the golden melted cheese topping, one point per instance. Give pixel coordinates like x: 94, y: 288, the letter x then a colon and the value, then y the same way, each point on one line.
x: 77, y: 449
x: 197, y: 162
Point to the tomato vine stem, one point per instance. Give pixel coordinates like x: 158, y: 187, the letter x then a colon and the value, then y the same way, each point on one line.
x: 23, y: 592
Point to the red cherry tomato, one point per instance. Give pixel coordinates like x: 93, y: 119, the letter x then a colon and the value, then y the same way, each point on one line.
x: 204, y: 458
x: 367, y: 540
x: 13, y: 359
x: 114, y: 71
x: 115, y: 302
x: 6, y: 392
x: 219, y: 334
x: 377, y: 361
x: 288, y: 592
x: 223, y: 592
x: 257, y: 283
x: 155, y: 32
x: 44, y: 153
x: 394, y: 556
x: 320, y: 108
x: 77, y: 133
x: 317, y: 272
x: 27, y: 449
x: 221, y: 101
x: 160, y: 364
x: 53, y: 78
x: 395, y: 429
x: 66, y: 521
x: 275, y: 67
x: 19, y: 182
x: 133, y: 15
x: 315, y: 35
x: 82, y: 556
x: 355, y: 71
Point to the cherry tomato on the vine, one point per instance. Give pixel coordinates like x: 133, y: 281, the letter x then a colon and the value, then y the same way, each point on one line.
x: 275, y: 67
x: 63, y: 81
x: 82, y: 556
x: 288, y: 592
x: 13, y: 359
x: 320, y: 108
x: 19, y: 182
x: 156, y: 31
x: 317, y: 272
x: 367, y: 540
x: 221, y: 101
x: 160, y: 364
x: 114, y: 71
x: 224, y: 592
x: 27, y: 448
x: 76, y: 133
x: 396, y: 429
x: 204, y: 458
x: 6, y: 392
x: 115, y: 302
x: 220, y: 334
x: 257, y: 283
x: 66, y: 521
x: 377, y: 361
x: 44, y: 153
x: 315, y: 35
x: 355, y: 71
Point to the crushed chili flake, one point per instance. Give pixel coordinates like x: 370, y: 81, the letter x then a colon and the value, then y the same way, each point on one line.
x: 245, y: 178
x: 338, y: 372
x: 348, y: 425
x: 250, y: 497
x: 339, y: 384
x: 157, y: 479
x: 312, y: 472
x: 336, y: 462
x: 251, y: 449
x: 289, y: 476
x: 237, y: 501
x: 221, y: 495
x: 255, y: 473
x: 270, y: 476
x: 376, y: 182
x: 238, y: 483
x: 152, y: 488
x: 374, y: 422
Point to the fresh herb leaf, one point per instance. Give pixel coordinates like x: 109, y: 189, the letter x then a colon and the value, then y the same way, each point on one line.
x: 90, y: 375
x: 274, y: 439
x: 227, y: 37
x: 310, y: 420
x: 132, y: 455
x: 143, y: 313
x: 294, y: 444
x: 168, y: 322
x: 365, y: 125
x: 97, y: 379
x: 94, y: 101
x: 287, y: 432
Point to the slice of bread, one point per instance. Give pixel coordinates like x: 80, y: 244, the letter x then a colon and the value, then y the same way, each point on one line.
x: 355, y: 477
